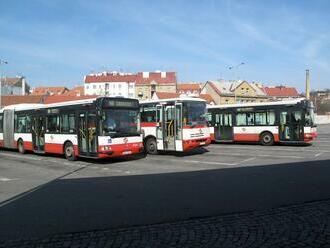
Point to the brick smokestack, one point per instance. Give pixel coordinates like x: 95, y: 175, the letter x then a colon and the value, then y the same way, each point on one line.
x: 307, y: 85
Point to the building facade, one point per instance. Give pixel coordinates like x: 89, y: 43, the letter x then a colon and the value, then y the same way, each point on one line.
x: 140, y: 85
x: 14, y: 86
x: 238, y: 91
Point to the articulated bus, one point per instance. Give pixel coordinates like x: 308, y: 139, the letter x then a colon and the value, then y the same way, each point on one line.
x: 266, y: 123
x: 96, y: 128
x: 174, y: 124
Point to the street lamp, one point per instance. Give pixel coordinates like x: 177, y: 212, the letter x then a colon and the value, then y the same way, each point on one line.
x: 235, y: 67
x: 2, y: 62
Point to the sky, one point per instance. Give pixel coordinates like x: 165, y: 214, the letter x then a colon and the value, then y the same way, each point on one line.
x: 58, y: 42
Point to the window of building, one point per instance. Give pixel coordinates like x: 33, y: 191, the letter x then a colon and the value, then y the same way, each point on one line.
x: 53, y: 124
x: 94, y: 86
x: 87, y: 87
x: 119, y: 86
x: 67, y: 123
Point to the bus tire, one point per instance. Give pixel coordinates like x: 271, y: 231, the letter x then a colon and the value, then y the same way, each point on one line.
x: 151, y: 146
x: 69, y: 151
x: 20, y: 146
x: 267, y: 139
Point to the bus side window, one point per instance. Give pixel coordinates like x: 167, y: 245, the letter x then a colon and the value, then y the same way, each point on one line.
x: 270, y: 118
x: 53, y: 124
x: 21, y: 124
x: 1, y: 123
x: 250, y: 119
x: 260, y: 118
x: 28, y: 124
x: 241, y: 119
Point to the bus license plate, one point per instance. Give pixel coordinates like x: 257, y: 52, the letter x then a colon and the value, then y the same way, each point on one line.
x: 127, y: 152
x: 202, y: 143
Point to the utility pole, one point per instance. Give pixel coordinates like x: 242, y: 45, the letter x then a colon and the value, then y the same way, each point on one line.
x: 307, y: 85
x: 2, y: 62
x: 235, y: 67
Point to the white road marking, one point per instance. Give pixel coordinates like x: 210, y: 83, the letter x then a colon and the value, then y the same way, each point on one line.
x: 247, y: 160
x: 20, y: 156
x: 193, y: 161
x: 319, y: 154
x: 256, y: 155
x: 255, y: 148
x: 5, y: 179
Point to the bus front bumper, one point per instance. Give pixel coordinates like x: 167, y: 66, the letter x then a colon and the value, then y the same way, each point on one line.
x: 120, y: 150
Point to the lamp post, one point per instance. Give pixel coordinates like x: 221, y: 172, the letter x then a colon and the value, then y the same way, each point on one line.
x: 2, y: 62
x: 235, y: 67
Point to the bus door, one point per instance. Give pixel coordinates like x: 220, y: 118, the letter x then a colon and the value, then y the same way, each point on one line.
x: 169, y: 137
x: 38, y: 132
x: 87, y: 133
x: 291, y: 126
x: 178, y: 121
x: 160, y: 127
x: 223, y: 129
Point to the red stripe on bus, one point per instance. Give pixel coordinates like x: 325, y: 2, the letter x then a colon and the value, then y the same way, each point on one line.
x: 148, y: 124
x: 119, y: 150
x: 194, y: 143
x: 246, y: 137
x: 28, y: 145
x: 196, y: 126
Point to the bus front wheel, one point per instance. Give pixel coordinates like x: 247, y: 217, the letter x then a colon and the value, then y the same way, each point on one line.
x: 151, y: 146
x: 267, y: 139
x: 69, y: 152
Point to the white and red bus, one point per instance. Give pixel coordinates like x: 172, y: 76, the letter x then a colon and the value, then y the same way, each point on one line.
x: 174, y: 124
x: 266, y: 123
x: 96, y: 128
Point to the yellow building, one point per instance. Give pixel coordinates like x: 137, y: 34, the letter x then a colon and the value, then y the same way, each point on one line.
x: 147, y: 83
x: 229, y: 92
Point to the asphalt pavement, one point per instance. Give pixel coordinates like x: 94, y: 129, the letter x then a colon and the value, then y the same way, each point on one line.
x: 41, y: 196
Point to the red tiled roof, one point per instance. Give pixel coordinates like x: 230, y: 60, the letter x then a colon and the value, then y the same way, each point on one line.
x: 215, y: 88
x: 281, y: 91
x: 207, y: 97
x: 188, y: 86
x: 170, y: 78
x: 10, y: 100
x: 64, y: 98
x: 76, y: 91
x: 49, y: 90
x: 167, y: 95
x: 110, y: 77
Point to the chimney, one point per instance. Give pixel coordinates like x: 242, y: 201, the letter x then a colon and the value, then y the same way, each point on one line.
x: 307, y: 85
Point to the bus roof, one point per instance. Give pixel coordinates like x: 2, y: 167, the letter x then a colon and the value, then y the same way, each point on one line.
x: 237, y: 105
x: 183, y: 99
x: 30, y: 106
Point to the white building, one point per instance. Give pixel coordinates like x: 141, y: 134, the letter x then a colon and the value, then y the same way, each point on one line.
x: 110, y: 84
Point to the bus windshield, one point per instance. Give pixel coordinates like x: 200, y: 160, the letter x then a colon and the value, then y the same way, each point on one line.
x: 309, y: 117
x: 194, y: 113
x: 120, y: 122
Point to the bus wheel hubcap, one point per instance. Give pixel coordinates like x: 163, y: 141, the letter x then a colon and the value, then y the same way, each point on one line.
x: 266, y: 138
x: 69, y: 151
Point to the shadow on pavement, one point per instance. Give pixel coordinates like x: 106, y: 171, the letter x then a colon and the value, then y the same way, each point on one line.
x: 72, y: 205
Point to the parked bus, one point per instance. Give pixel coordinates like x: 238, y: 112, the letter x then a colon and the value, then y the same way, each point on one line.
x: 174, y: 124
x: 96, y: 128
x: 267, y: 123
